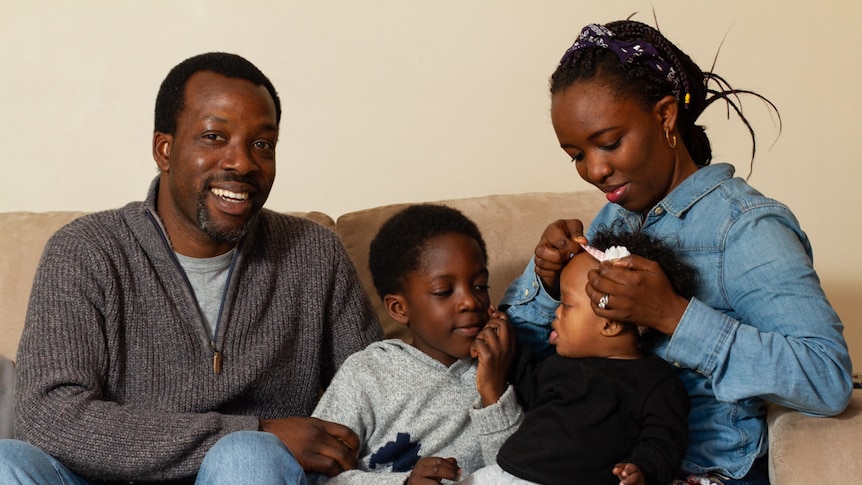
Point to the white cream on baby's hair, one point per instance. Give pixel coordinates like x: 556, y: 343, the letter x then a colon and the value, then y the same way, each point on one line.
x: 613, y: 252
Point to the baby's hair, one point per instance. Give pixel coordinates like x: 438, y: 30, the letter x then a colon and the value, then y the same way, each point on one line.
x: 696, y: 89
x: 682, y: 277
x: 397, y: 249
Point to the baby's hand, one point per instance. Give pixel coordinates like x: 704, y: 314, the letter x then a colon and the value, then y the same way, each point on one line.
x: 432, y: 469
x: 629, y: 474
x: 494, y: 347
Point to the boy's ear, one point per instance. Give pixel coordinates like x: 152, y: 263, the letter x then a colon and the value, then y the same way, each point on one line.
x: 396, y: 306
x: 612, y: 328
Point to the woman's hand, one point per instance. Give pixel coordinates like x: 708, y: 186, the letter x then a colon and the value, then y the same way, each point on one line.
x: 561, y: 240
x: 636, y: 290
x: 495, y: 348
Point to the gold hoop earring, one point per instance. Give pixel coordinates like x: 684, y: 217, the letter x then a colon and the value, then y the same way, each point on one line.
x: 667, y: 137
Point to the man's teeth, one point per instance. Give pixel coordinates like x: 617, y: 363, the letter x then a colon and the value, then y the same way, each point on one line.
x: 230, y: 195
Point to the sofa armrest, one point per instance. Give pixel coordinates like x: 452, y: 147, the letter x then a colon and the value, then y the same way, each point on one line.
x: 805, y: 449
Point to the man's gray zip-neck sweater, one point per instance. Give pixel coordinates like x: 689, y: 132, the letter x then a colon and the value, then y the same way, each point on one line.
x: 117, y: 376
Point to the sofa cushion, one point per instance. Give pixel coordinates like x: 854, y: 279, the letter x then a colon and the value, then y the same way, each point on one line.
x: 318, y: 217
x: 805, y: 449
x: 510, y: 244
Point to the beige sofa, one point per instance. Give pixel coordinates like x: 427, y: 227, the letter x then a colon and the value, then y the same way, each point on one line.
x: 803, y: 450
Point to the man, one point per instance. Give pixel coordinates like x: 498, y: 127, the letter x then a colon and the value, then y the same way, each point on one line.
x: 190, y: 334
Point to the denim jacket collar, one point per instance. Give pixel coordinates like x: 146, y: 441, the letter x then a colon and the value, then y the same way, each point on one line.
x: 686, y: 194
x: 696, y: 187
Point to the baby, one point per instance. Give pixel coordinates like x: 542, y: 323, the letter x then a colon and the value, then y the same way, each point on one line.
x: 602, y: 409
x: 441, y: 407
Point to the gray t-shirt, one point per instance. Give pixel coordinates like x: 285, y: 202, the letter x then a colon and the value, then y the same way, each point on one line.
x: 208, y: 277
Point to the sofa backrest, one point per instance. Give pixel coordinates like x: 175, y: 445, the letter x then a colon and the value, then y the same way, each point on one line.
x: 510, y: 224
x: 23, y: 236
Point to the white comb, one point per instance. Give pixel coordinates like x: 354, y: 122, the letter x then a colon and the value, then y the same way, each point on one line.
x: 600, y: 255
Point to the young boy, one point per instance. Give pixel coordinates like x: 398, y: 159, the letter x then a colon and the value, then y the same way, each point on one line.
x: 428, y: 412
x: 602, y: 409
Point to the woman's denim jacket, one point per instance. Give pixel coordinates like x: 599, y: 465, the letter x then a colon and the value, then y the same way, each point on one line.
x: 759, y: 328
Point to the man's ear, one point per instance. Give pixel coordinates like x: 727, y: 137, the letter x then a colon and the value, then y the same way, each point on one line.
x: 612, y: 328
x: 162, y: 150
x: 396, y: 306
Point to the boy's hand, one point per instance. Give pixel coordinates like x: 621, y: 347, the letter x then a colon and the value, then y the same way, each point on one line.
x: 317, y: 445
x: 432, y: 469
x: 629, y: 474
x: 494, y: 347
x: 561, y: 240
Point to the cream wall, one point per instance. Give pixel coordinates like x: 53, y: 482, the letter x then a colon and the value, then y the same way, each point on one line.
x: 398, y: 100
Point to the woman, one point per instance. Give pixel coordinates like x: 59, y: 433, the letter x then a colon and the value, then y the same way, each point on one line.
x: 759, y: 328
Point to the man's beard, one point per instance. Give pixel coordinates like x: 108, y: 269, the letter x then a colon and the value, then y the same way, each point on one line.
x: 232, y: 236
x: 205, y: 222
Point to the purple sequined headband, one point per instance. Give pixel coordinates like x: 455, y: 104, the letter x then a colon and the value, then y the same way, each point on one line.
x: 595, y: 35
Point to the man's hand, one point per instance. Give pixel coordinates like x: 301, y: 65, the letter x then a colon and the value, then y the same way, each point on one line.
x: 317, y: 445
x: 629, y: 474
x: 495, y: 348
x: 431, y: 469
x: 561, y: 240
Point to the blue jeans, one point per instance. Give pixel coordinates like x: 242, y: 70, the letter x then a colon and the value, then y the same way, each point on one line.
x: 758, y: 475
x: 240, y: 457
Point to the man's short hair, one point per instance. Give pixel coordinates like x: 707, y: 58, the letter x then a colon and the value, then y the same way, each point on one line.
x: 171, y: 96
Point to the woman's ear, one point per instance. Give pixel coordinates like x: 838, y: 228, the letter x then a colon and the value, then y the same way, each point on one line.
x: 396, y: 306
x: 667, y: 109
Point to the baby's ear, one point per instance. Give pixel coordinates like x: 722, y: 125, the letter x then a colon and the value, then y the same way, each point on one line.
x: 612, y: 328
x: 396, y: 306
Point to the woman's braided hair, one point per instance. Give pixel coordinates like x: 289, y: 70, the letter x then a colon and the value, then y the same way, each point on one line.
x: 642, y: 82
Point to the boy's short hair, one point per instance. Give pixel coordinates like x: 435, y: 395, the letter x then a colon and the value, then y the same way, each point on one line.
x: 397, y: 248
x: 682, y: 277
